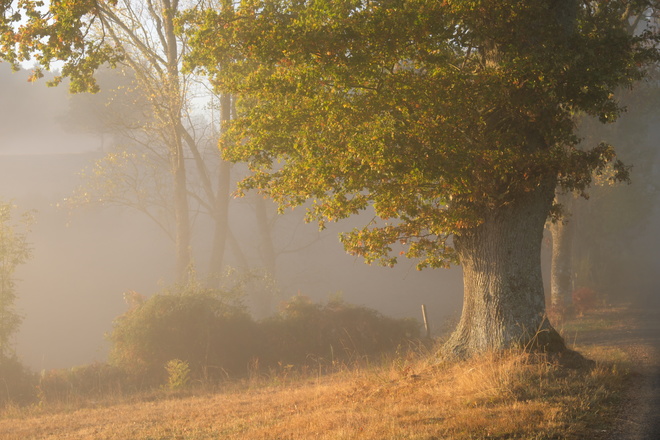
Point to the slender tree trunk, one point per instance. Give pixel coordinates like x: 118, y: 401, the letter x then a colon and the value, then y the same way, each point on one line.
x: 237, y: 252
x: 266, y: 247
x: 182, y: 217
x: 173, y: 88
x: 561, y: 278
x: 221, y: 208
x: 264, y: 300
x: 504, y: 303
x: 221, y: 220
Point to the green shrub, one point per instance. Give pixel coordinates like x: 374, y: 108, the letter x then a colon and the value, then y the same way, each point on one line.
x: 199, y: 327
x: 197, y: 334
x: 306, y: 332
x: 17, y: 382
x: 91, y: 381
x: 178, y: 374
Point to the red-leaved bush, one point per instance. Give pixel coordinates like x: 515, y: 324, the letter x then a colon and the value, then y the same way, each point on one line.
x: 584, y: 300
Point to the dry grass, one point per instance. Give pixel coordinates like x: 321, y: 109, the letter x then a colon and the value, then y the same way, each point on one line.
x: 597, y: 321
x: 504, y: 396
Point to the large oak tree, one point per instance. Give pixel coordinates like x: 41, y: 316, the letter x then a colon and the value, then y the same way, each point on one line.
x: 570, y: 272
x: 452, y: 121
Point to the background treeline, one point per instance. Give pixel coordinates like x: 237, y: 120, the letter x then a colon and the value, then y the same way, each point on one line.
x: 199, y: 336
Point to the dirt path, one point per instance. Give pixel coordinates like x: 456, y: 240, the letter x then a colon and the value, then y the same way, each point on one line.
x: 639, y: 337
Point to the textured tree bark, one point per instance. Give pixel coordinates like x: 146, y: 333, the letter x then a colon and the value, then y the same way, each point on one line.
x: 561, y: 279
x: 504, y: 303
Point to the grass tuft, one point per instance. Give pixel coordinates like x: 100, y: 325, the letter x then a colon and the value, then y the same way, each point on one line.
x: 495, y: 396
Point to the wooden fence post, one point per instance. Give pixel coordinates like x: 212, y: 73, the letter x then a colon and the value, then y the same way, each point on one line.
x: 426, y: 322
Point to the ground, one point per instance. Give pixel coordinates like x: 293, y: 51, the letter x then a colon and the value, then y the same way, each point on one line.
x: 496, y: 396
x: 638, y: 336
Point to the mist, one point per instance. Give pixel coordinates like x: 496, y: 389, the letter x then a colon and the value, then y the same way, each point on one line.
x: 84, y: 260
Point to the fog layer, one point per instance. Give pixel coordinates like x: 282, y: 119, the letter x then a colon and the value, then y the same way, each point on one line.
x: 83, y: 261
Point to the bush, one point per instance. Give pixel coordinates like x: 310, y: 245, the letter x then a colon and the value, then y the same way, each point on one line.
x: 584, y: 300
x: 17, y: 382
x: 198, y: 327
x: 210, y: 337
x: 305, y: 331
x: 178, y: 374
x: 91, y: 381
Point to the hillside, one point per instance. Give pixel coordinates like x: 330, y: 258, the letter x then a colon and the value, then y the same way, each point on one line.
x: 493, y: 397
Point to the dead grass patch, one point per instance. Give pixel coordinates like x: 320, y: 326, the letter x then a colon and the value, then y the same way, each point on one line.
x: 509, y: 395
x: 496, y: 396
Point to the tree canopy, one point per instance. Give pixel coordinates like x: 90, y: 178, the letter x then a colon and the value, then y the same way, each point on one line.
x: 434, y: 113
x: 430, y: 112
x: 453, y: 120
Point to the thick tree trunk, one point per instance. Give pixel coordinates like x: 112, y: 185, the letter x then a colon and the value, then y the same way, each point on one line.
x: 504, y: 303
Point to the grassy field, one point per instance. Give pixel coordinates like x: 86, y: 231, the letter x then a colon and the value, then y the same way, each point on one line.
x: 505, y: 396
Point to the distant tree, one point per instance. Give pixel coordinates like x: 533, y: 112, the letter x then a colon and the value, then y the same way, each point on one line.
x: 562, y: 270
x: 591, y: 242
x: 14, y: 251
x: 134, y: 170
x: 614, y: 211
x: 140, y: 37
x: 114, y: 113
x: 453, y: 121
x: 609, y: 226
x: 162, y: 160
